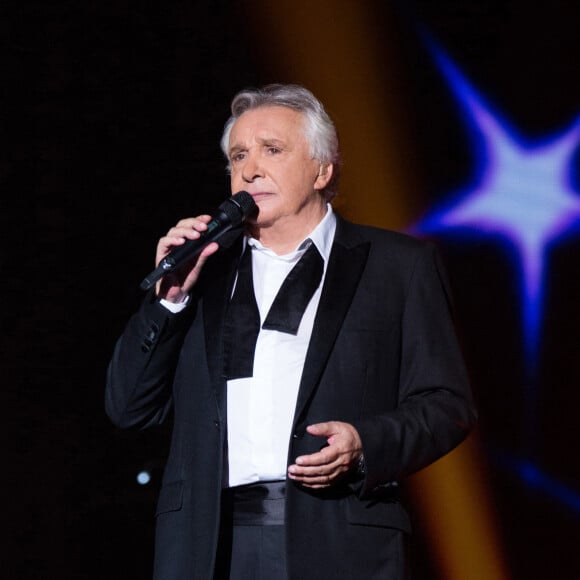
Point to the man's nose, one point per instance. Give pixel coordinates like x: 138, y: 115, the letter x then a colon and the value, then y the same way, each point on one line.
x: 252, y: 169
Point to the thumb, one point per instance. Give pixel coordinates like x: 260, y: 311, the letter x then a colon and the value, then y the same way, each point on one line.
x: 322, y: 429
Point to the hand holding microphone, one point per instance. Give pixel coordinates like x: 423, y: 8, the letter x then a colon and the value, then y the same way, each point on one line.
x: 191, y: 238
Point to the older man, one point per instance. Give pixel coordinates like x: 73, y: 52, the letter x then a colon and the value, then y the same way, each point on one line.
x: 311, y: 365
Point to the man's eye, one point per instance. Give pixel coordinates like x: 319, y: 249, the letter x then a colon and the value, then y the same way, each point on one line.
x: 274, y: 150
x: 238, y: 157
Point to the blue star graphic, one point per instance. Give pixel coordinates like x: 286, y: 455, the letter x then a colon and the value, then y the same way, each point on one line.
x: 522, y: 192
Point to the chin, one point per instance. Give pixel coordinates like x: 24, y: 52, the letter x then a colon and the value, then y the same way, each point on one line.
x: 261, y: 220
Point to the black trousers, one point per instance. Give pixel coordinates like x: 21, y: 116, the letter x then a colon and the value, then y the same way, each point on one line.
x: 252, y: 542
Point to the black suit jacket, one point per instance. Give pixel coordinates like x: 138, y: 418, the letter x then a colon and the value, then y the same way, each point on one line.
x: 383, y: 356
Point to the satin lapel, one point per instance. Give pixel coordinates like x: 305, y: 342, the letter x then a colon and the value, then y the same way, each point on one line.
x: 215, y: 302
x: 345, y: 268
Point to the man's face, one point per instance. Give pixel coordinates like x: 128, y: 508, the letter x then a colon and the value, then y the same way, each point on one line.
x: 270, y: 159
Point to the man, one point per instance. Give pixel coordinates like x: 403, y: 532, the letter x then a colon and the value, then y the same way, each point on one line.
x: 294, y: 424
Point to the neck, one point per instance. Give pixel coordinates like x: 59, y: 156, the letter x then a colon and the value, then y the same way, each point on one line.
x: 283, y: 236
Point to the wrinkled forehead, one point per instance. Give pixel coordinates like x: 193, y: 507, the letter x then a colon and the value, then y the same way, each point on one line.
x: 265, y: 122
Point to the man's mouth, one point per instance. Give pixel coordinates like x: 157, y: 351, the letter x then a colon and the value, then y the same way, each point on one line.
x: 258, y: 195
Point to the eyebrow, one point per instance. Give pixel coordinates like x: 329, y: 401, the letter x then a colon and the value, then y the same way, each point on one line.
x: 235, y: 149
x: 261, y: 141
x: 272, y: 141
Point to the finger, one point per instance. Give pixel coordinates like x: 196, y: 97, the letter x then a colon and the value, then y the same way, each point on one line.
x: 325, y: 456
x: 339, y: 449
x: 342, y: 435
x: 173, y: 239
x: 183, y: 233
x: 331, y: 469
x: 179, y: 283
x: 199, y: 221
x: 210, y: 249
x: 312, y: 465
x: 177, y: 236
x: 314, y: 478
x: 190, y: 227
x: 325, y: 429
x: 318, y: 480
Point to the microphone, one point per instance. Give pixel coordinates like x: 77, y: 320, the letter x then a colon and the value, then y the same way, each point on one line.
x: 230, y: 214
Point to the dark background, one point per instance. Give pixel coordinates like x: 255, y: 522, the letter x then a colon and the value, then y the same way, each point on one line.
x: 111, y: 117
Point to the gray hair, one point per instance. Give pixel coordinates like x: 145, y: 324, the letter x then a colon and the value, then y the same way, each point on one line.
x: 320, y: 130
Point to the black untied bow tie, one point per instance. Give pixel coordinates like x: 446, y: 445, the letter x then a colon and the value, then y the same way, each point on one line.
x: 242, y: 323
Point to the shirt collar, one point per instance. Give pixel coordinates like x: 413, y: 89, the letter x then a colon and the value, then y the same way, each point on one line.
x: 321, y: 236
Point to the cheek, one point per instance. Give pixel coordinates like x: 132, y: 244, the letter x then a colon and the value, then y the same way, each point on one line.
x: 235, y: 178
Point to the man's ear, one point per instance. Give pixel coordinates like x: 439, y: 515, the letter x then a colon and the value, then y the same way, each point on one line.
x: 324, y: 176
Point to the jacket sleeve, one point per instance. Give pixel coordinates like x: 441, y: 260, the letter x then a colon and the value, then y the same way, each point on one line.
x: 138, y: 392
x: 435, y: 410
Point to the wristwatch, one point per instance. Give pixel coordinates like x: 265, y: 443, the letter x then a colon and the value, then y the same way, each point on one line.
x: 361, y: 466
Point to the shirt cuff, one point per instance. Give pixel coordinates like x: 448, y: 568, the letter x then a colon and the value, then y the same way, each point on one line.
x: 173, y: 307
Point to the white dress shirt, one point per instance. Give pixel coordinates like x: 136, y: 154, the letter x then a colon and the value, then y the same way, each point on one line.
x: 261, y: 408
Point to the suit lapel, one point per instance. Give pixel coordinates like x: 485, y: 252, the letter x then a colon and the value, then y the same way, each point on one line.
x: 345, y: 266
x: 219, y: 285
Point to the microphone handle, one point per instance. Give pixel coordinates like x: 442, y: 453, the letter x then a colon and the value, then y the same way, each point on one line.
x: 218, y: 226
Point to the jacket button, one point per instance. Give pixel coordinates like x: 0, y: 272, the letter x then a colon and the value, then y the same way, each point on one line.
x: 297, y: 436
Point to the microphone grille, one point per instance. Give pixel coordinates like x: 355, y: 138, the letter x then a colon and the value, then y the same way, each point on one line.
x: 242, y: 204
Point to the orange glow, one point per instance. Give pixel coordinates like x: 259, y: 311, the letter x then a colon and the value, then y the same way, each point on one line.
x: 458, y: 517
x: 332, y: 47
x: 337, y: 49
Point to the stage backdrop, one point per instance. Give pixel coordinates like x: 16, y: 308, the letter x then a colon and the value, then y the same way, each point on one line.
x: 459, y: 122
